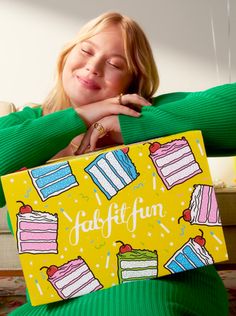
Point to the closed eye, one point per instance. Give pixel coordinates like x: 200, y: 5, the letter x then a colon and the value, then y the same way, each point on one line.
x: 114, y: 65
x: 86, y: 51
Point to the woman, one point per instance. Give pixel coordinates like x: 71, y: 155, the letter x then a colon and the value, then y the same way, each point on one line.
x: 118, y: 66
x: 92, y: 72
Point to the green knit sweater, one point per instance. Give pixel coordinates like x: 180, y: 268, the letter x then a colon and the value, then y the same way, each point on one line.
x: 31, y: 139
x: 28, y: 139
x: 212, y: 111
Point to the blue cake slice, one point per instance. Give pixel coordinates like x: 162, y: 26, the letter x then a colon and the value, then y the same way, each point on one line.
x: 53, y: 179
x: 112, y: 172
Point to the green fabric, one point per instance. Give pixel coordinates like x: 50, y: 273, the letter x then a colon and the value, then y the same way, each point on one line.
x: 193, y: 293
x: 31, y: 139
x: 212, y: 111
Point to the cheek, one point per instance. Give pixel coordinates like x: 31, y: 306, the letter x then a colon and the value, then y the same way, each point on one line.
x: 65, y: 77
x: 118, y: 81
x: 67, y: 72
x: 73, y: 62
x: 66, y: 68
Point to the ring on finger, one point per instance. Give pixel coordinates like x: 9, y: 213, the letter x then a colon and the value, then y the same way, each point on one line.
x: 120, y: 99
x: 99, y: 127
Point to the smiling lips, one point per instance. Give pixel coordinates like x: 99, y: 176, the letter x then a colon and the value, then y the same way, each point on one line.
x: 88, y: 83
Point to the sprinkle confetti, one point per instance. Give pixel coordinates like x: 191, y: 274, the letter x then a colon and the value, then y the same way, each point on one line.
x: 65, y: 214
x: 163, y: 226
x: 38, y: 287
x: 108, y: 259
x: 216, y: 238
x: 97, y: 197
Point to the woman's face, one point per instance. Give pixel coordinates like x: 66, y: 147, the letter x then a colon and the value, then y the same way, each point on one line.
x: 96, y: 69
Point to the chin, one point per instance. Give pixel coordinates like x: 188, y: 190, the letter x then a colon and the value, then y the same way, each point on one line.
x: 85, y: 97
x: 76, y: 104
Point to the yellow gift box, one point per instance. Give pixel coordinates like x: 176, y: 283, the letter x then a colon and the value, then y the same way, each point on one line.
x: 122, y: 214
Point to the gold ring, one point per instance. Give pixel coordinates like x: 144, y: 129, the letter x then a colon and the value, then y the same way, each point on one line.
x: 99, y: 128
x: 120, y: 99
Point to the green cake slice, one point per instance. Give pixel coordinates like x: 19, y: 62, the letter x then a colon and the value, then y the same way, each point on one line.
x: 137, y: 264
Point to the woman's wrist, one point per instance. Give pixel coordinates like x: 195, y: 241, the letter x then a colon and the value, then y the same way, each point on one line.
x: 82, y: 114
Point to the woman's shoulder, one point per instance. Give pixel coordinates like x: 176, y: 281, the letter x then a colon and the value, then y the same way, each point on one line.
x: 32, y: 110
x: 29, y: 109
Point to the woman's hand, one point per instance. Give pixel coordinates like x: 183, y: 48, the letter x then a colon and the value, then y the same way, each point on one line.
x: 71, y: 148
x: 111, y: 127
x: 106, y: 113
x: 87, y: 142
x: 127, y: 104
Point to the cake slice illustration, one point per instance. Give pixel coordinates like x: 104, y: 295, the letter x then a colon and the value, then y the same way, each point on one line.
x: 73, y: 278
x: 136, y: 264
x: 53, y: 179
x: 192, y: 254
x: 174, y: 161
x: 36, y: 231
x: 112, y: 172
x: 203, y: 208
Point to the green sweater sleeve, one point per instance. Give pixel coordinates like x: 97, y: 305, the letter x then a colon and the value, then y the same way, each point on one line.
x: 32, y: 139
x: 212, y: 111
x: 19, y: 117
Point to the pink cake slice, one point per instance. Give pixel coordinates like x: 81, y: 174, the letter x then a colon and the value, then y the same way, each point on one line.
x: 203, y: 206
x: 74, y: 278
x: 37, y: 232
x: 174, y: 162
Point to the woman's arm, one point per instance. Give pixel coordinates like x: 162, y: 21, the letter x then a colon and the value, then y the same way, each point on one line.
x: 212, y: 111
x: 16, y: 118
x: 28, y: 139
x: 35, y: 140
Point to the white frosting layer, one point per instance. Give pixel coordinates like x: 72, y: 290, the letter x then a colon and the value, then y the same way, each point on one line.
x: 168, y: 158
x: 138, y: 264
x: 127, y: 274
x: 38, y: 216
x: 201, y: 251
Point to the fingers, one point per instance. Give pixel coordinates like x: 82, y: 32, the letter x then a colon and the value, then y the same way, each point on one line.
x: 85, y: 143
x: 70, y: 149
x: 121, y: 109
x: 109, y: 124
x: 94, y: 137
x: 89, y: 141
x: 75, y: 143
x: 133, y: 99
x: 128, y: 104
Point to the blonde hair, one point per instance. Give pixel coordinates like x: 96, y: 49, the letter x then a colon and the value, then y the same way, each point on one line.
x: 138, y: 54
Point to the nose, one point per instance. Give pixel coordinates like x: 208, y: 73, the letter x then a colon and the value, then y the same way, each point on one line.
x: 94, y: 66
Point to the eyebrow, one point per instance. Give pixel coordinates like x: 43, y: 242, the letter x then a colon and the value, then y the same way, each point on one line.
x: 114, y: 55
